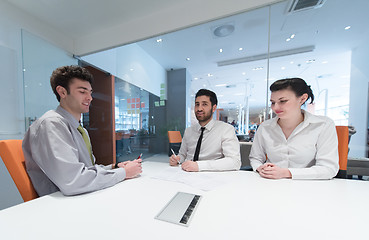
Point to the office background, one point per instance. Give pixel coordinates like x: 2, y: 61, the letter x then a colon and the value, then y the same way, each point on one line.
x: 31, y: 48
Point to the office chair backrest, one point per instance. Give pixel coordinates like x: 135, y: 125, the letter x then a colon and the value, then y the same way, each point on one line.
x: 174, y: 137
x: 343, y: 141
x: 12, y: 155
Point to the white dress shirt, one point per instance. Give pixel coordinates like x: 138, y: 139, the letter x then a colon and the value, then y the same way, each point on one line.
x: 310, y: 152
x: 220, y: 149
x: 57, y: 158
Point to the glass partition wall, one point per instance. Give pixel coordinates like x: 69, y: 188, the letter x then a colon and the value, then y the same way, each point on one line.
x: 131, y: 121
x: 40, y: 59
x: 240, y: 56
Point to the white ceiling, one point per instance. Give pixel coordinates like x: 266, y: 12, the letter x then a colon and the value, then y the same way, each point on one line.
x: 77, y: 18
x: 93, y: 25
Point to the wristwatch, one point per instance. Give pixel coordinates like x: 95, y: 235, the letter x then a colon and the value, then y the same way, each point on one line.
x: 116, y: 165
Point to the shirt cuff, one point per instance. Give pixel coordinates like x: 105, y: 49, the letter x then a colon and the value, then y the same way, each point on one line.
x: 203, y: 165
x: 255, y: 165
x: 121, y: 173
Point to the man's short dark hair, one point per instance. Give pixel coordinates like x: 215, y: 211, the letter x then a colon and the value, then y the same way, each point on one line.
x: 62, y: 76
x: 210, y: 94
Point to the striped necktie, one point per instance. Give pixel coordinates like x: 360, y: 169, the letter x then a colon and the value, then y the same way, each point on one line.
x: 87, y: 142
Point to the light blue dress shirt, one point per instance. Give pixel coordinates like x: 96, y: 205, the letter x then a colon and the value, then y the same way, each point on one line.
x: 57, y: 158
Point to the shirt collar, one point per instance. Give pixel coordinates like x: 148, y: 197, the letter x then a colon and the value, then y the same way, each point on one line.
x: 69, y: 117
x: 308, y: 118
x: 208, y: 126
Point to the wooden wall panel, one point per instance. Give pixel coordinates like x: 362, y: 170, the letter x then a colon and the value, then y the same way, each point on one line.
x: 101, y: 125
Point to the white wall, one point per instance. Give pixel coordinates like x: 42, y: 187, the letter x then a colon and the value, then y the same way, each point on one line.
x: 358, y: 116
x: 12, y: 120
x: 12, y: 19
x: 132, y: 64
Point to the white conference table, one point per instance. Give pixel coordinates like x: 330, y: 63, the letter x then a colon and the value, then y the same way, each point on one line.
x: 245, y: 207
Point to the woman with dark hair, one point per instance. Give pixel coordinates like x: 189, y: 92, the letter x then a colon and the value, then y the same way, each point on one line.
x: 295, y: 144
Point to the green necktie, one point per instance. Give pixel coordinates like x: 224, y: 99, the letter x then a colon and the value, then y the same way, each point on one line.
x: 87, y: 142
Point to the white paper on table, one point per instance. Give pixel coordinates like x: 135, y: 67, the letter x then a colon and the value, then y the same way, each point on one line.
x: 202, y: 180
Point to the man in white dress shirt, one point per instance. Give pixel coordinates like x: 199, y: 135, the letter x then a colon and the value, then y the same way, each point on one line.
x: 209, y: 145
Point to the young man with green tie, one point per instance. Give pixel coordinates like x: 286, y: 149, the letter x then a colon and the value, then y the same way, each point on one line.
x: 57, y: 149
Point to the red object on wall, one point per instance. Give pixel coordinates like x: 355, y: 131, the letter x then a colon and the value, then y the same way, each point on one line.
x: 142, y: 105
x: 133, y: 105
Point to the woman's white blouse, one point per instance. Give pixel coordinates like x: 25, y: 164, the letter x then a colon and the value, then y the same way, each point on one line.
x: 310, y: 152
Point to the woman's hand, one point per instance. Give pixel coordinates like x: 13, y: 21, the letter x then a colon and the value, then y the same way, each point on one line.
x: 272, y: 171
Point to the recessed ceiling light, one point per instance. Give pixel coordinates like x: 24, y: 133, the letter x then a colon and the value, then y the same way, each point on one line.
x: 221, y: 50
x: 224, y: 30
x: 292, y: 36
x: 310, y: 61
x: 288, y: 39
x: 210, y: 75
x: 159, y: 40
x: 221, y: 85
x: 243, y: 73
x: 204, y: 85
x: 196, y: 78
x: 283, y: 68
x: 188, y: 59
x: 347, y: 27
x: 240, y: 49
x: 324, y: 62
x: 291, y: 62
x: 131, y: 69
x: 257, y: 68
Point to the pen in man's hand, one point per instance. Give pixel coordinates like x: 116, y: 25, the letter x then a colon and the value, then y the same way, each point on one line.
x: 179, y: 161
x: 139, y: 156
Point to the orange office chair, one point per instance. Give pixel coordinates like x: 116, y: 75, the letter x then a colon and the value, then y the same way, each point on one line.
x: 175, y: 140
x: 343, y: 141
x: 12, y: 154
